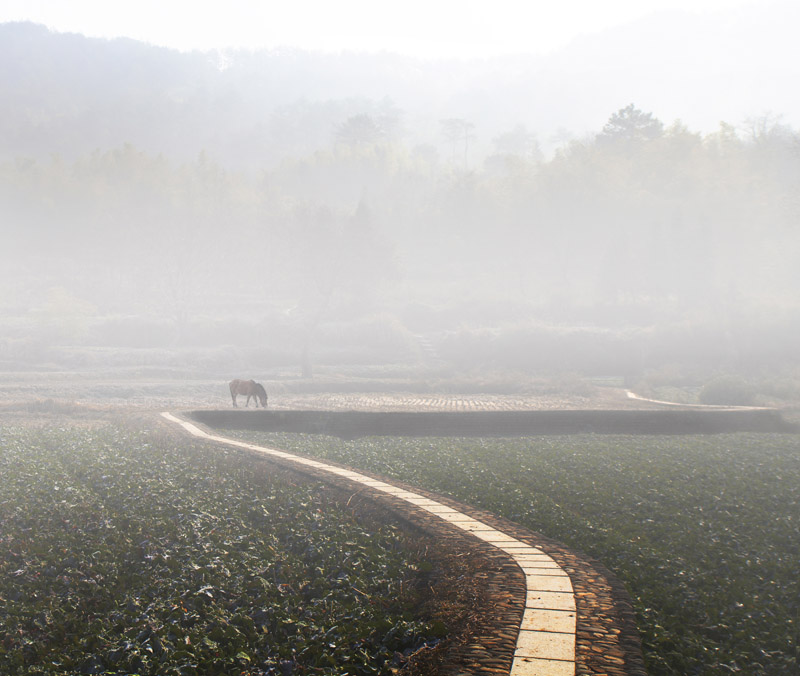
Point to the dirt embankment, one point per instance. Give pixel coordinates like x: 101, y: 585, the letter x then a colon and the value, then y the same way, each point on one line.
x: 85, y: 396
x: 161, y: 393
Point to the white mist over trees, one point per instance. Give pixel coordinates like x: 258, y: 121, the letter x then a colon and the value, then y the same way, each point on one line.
x: 151, y: 199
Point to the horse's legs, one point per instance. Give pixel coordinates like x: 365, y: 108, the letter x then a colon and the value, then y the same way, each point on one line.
x: 233, y: 398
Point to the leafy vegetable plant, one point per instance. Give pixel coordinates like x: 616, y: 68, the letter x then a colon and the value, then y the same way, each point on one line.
x: 704, y: 530
x: 123, y: 552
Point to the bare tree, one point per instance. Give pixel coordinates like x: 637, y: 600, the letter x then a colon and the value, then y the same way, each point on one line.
x: 455, y: 130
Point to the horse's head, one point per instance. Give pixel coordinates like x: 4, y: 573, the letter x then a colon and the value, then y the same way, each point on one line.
x: 261, y: 393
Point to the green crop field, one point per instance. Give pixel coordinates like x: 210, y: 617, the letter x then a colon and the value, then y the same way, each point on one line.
x: 123, y: 552
x: 703, y: 530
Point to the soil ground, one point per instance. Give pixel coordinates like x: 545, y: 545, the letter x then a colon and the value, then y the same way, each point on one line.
x: 70, y: 392
x: 456, y: 593
x: 462, y: 601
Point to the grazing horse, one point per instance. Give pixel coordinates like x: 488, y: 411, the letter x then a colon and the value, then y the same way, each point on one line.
x: 248, y: 388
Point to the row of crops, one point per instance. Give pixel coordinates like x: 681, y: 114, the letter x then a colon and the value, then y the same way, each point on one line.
x: 122, y: 552
x: 703, y: 530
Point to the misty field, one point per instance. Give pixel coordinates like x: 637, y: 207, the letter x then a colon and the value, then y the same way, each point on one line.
x: 703, y: 530
x: 122, y: 552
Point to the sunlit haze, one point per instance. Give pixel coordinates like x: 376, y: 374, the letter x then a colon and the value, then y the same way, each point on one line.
x: 540, y: 258
x: 464, y: 28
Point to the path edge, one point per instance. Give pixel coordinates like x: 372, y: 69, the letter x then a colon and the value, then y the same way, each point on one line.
x: 607, y: 638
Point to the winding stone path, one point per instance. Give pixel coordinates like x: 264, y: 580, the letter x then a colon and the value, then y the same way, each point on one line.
x: 548, y: 638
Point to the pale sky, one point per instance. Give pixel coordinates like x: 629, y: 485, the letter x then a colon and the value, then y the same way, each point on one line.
x: 466, y: 28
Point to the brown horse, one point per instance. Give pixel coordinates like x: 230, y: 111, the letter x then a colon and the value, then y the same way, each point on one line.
x: 248, y: 388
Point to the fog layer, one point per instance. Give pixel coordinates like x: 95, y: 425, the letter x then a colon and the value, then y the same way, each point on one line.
x: 134, y: 215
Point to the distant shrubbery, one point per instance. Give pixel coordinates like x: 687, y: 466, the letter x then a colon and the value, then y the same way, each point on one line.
x: 542, y: 349
x: 669, y: 361
x: 728, y: 391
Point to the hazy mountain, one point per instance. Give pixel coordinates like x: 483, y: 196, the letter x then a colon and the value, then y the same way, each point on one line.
x: 67, y: 94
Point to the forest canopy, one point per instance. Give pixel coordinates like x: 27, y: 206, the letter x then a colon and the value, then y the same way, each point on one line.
x: 342, y: 209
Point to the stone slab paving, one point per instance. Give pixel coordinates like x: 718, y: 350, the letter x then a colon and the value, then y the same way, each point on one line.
x: 549, y: 638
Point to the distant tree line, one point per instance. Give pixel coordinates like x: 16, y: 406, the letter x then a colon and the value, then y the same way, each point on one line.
x: 349, y: 208
x: 642, y: 211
